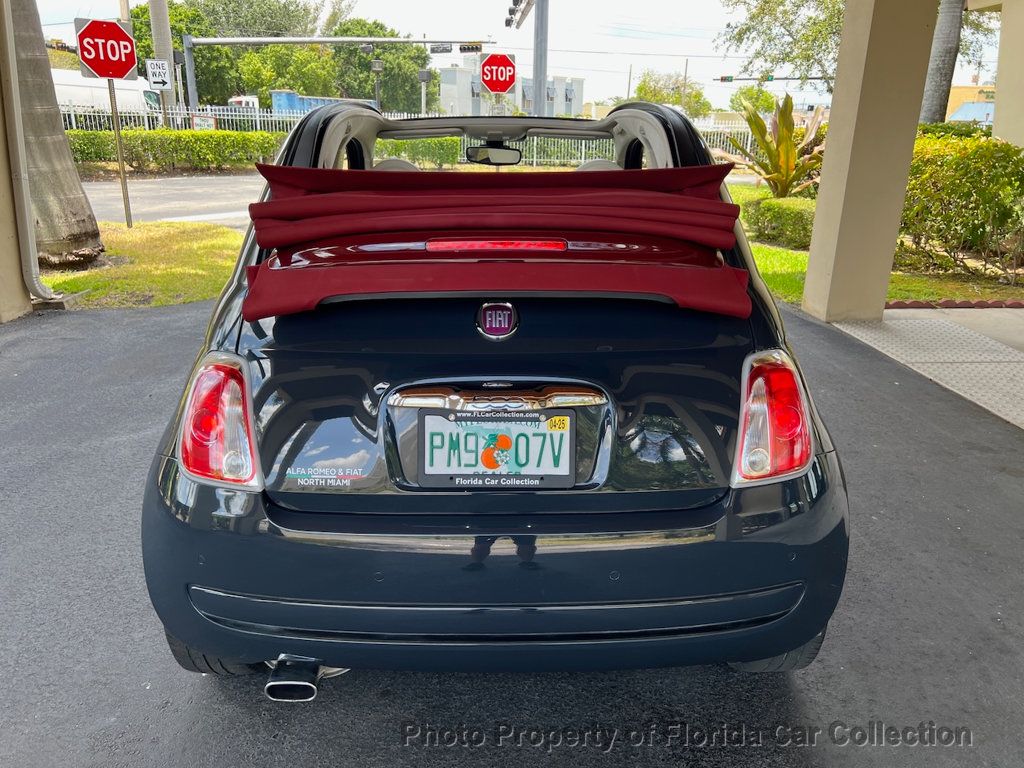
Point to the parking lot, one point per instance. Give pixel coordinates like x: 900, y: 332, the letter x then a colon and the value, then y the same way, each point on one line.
x: 926, y: 630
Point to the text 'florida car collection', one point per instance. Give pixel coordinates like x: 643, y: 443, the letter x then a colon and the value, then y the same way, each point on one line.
x: 494, y: 420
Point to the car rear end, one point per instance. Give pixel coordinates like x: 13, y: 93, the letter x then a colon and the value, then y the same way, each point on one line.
x: 509, y: 480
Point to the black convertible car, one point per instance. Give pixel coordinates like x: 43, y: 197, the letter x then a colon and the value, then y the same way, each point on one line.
x: 494, y: 420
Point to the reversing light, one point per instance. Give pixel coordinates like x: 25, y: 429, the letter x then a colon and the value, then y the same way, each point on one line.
x: 216, y: 442
x: 448, y: 246
x: 775, y: 432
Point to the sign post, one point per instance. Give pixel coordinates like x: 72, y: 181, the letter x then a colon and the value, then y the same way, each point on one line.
x: 106, y: 49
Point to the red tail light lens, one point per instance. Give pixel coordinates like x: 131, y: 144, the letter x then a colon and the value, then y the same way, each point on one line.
x: 775, y: 433
x: 448, y: 246
x: 216, y: 432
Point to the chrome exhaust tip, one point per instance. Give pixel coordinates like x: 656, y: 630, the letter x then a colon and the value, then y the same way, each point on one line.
x: 295, y: 678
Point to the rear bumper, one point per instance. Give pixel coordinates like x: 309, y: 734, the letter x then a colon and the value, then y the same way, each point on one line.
x: 753, y: 576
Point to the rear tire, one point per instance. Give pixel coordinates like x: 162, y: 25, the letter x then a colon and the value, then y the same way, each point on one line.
x: 196, y: 661
x: 796, y: 659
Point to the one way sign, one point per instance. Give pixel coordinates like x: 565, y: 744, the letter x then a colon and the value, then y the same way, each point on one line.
x: 158, y: 72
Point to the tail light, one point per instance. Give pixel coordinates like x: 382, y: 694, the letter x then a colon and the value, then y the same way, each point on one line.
x: 217, y: 442
x: 775, y: 431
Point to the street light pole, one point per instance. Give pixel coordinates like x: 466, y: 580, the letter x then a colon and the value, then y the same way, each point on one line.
x: 424, y: 77
x: 377, y: 66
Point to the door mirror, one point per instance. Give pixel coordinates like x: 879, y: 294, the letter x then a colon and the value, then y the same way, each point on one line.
x: 493, y: 155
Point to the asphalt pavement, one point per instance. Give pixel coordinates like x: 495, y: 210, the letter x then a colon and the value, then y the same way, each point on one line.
x: 929, y: 628
x: 222, y: 199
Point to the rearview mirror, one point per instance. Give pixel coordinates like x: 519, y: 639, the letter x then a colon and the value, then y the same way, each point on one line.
x: 493, y: 155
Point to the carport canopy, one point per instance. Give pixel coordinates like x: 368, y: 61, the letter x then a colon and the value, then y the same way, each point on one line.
x: 883, y: 63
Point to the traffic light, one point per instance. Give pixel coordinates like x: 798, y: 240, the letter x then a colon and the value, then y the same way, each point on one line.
x: 726, y: 78
x: 769, y: 78
x: 471, y: 48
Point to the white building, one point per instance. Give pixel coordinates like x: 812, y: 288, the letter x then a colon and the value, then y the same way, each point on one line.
x: 462, y: 93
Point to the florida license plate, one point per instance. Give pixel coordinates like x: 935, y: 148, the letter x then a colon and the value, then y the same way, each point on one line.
x: 497, y: 450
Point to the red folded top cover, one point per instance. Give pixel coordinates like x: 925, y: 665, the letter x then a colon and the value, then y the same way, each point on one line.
x: 322, y: 206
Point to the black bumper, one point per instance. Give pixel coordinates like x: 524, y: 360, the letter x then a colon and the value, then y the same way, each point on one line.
x: 755, y: 575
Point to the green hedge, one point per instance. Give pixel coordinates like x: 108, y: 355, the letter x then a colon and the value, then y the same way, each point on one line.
x: 787, y: 221
x: 962, y: 130
x: 422, y: 152
x: 165, y: 150
x: 964, y: 209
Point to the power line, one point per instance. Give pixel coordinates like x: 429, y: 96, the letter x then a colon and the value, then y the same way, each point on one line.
x: 633, y: 53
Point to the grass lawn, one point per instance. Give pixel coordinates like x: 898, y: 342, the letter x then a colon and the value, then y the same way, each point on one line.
x: 159, y: 263
x: 783, y: 270
x: 155, y: 263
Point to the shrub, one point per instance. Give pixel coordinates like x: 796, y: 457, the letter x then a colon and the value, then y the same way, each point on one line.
x: 164, y: 150
x: 785, y: 165
x: 783, y: 221
x: 92, y: 146
x: 964, y: 209
x: 438, y: 152
x: 963, y: 130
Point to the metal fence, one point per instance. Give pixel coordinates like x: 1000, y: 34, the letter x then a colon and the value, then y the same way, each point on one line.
x: 86, y: 118
x: 536, y: 150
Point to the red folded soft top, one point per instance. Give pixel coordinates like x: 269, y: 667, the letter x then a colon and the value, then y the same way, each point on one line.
x: 317, y: 207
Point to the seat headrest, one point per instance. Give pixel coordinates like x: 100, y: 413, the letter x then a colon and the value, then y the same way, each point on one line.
x: 598, y: 164
x: 394, y: 164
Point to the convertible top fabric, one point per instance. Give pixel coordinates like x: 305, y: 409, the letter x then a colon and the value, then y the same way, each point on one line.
x: 310, y: 205
x: 319, y: 207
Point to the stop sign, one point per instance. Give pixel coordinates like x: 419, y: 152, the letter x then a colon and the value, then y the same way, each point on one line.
x: 106, y: 49
x: 498, y: 72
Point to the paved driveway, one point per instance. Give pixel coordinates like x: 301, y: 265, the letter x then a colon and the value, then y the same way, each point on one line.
x: 929, y: 628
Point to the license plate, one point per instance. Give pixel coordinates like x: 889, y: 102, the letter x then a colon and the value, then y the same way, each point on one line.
x: 497, y: 450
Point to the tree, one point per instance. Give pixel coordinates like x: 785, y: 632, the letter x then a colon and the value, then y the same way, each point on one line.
x: 261, y: 18
x: 309, y: 69
x: 942, y: 62
x: 762, y: 100
x: 400, y: 86
x: 216, y: 77
x: 673, y: 88
x: 800, y: 38
x: 65, y: 224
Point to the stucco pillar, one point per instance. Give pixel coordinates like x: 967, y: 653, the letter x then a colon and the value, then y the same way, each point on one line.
x: 883, y: 60
x: 1009, y: 118
x: 14, y: 298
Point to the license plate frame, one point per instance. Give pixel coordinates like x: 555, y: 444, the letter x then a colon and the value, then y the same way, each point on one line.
x: 534, y: 423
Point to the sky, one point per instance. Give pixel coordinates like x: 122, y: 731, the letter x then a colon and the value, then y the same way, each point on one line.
x: 597, y: 45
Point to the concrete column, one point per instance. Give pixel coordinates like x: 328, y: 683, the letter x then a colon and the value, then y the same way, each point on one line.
x: 883, y: 60
x: 14, y: 298
x: 1009, y: 119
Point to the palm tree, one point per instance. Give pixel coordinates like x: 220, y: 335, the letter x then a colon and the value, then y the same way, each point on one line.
x: 945, y: 47
x: 65, y: 224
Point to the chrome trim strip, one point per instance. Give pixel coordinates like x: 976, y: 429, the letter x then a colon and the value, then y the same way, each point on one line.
x: 566, y: 396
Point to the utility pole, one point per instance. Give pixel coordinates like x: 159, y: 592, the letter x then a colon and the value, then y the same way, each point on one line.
x: 160, y: 26
x: 190, y: 72
x: 540, y: 57
x: 629, y: 82
x: 686, y: 85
